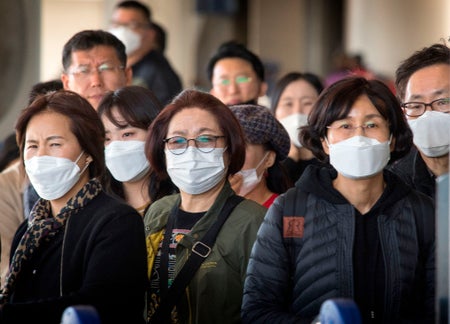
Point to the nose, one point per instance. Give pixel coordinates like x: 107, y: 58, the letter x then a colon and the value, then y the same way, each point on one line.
x: 40, y: 151
x: 428, y: 107
x: 360, y: 130
x: 297, y: 107
x: 95, y: 78
x: 233, y: 87
x: 190, y: 140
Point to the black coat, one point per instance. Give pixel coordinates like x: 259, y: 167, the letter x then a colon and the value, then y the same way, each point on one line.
x: 99, y: 259
x: 289, y: 276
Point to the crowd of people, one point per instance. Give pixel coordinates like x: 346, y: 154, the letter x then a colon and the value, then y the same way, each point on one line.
x: 155, y: 203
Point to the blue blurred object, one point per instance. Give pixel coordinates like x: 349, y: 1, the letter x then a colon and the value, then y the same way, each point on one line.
x: 339, y: 311
x: 80, y: 314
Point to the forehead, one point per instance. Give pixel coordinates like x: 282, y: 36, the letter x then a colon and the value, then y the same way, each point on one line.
x: 96, y: 55
x: 48, y: 122
x: 362, y: 108
x: 300, y: 88
x: 429, y: 81
x: 128, y: 14
x: 193, y: 120
x: 232, y: 66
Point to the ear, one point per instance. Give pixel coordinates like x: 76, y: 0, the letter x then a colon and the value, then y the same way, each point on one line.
x: 270, y: 159
x: 263, y: 89
x: 65, y: 81
x: 325, y: 146
x: 392, y: 145
x: 129, y: 75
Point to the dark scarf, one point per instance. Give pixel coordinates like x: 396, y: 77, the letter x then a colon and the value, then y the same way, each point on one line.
x: 42, y: 228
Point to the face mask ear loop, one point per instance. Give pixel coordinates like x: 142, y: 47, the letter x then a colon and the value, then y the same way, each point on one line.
x: 79, y: 157
x: 390, y: 139
x: 262, y: 160
x: 87, y: 164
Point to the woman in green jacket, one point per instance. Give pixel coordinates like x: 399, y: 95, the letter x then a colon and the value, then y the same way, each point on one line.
x: 197, y: 142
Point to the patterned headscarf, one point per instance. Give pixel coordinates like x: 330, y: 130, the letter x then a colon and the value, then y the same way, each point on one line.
x: 42, y: 228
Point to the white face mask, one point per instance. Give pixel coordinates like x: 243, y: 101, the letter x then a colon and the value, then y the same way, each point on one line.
x: 195, y: 172
x: 52, y: 177
x: 431, y: 133
x: 250, y: 178
x: 128, y: 37
x: 359, y: 156
x: 292, y: 124
x: 126, y: 160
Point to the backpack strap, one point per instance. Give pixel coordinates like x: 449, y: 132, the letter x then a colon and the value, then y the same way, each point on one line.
x: 294, y: 211
x: 200, y: 251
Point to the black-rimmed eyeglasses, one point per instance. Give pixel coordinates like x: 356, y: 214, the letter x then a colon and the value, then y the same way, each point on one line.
x: 204, y: 143
x: 416, y: 109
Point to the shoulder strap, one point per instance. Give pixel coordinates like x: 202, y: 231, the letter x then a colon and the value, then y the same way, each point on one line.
x: 294, y: 207
x: 200, y: 251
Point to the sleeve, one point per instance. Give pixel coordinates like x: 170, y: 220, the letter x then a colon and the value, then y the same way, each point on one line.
x: 428, y: 251
x: 268, y: 287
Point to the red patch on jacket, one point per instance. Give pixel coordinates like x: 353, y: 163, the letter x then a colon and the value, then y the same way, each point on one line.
x: 293, y: 226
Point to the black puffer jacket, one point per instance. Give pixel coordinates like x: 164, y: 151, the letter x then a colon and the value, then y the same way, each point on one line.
x: 289, y: 278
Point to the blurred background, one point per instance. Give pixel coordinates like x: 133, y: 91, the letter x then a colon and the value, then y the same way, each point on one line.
x: 288, y: 35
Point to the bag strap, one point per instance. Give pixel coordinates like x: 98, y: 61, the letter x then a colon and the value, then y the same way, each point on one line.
x: 294, y: 206
x: 200, y: 251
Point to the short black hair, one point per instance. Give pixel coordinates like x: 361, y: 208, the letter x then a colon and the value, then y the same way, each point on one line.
x: 88, y: 39
x: 130, y: 4
x: 234, y: 49
x: 42, y: 88
x: 427, y: 56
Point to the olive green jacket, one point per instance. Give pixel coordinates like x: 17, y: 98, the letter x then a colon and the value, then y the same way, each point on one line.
x: 215, y: 293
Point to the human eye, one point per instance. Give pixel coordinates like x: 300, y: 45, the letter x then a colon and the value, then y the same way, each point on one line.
x: 443, y: 102
x: 287, y: 104
x: 307, y: 102
x: 82, y: 70
x: 242, y: 79
x: 371, y: 125
x: 55, y: 144
x: 205, y: 139
x: 177, y: 141
x: 31, y: 146
x: 224, y: 82
x: 413, y: 105
x: 105, y: 67
x: 127, y: 134
x: 344, y: 126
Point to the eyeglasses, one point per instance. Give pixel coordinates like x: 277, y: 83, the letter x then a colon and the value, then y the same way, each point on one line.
x: 371, y: 128
x: 204, y: 143
x: 83, y: 72
x: 416, y: 109
x: 238, y: 80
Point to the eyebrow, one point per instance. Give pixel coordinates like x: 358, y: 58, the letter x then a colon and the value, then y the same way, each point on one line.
x: 199, y: 132
x: 434, y: 93
x: 50, y: 138
x: 365, y: 117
